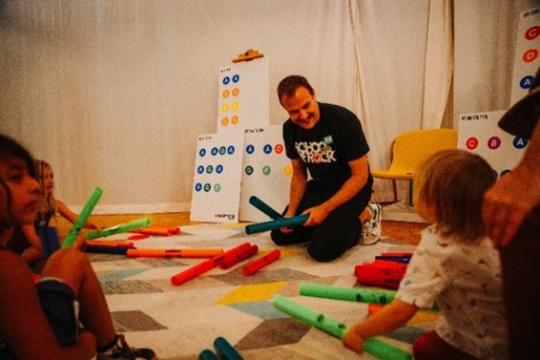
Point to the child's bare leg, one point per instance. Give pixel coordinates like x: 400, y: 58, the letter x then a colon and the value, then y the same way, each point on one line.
x: 72, y: 266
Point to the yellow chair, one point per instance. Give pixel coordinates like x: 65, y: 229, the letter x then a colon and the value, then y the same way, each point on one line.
x: 409, y: 149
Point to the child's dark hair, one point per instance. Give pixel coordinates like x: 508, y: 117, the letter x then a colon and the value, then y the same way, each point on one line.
x: 11, y: 148
x: 288, y: 86
x: 453, y: 182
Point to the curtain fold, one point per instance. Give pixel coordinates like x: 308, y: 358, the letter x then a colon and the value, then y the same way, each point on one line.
x: 115, y: 93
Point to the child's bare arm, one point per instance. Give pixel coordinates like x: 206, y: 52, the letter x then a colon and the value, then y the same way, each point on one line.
x: 71, y: 216
x: 390, y: 317
x: 32, y: 253
x: 23, y: 322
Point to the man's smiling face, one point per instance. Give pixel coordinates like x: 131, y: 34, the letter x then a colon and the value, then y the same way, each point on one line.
x: 302, y: 107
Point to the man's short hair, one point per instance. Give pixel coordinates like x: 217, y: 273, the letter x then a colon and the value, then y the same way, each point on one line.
x: 288, y: 86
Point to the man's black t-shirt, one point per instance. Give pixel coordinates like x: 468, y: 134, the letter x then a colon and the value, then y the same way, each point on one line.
x: 327, y: 148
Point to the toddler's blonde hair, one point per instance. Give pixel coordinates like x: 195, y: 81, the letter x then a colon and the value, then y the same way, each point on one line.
x: 453, y: 182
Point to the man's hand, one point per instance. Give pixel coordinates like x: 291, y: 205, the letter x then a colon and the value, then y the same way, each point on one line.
x: 317, y: 215
x: 507, y: 204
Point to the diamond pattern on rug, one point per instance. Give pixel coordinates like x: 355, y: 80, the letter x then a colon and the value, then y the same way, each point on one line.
x: 157, y: 262
x: 272, y: 333
x: 235, y: 277
x: 262, y: 309
x: 134, y: 321
x: 120, y: 275
x: 101, y: 257
x: 254, y: 292
x: 128, y: 287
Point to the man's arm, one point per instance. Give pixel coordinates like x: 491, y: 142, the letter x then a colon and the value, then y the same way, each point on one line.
x: 357, y: 180
x: 514, y: 196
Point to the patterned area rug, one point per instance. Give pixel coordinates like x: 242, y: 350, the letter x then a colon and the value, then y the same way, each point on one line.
x: 179, y: 322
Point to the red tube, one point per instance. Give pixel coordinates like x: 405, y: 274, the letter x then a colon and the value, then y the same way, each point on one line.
x: 261, y: 262
x: 237, y: 254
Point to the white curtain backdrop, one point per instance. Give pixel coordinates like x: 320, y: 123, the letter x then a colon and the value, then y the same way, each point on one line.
x: 403, y: 51
x: 114, y: 93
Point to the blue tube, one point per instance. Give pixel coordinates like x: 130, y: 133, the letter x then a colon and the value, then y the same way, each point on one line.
x: 276, y: 224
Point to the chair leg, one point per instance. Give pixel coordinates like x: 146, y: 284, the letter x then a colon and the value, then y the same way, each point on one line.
x: 410, y: 195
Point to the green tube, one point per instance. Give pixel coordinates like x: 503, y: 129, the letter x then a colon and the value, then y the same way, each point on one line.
x: 372, y: 346
x: 83, y: 217
x: 384, y: 351
x: 122, y: 228
x: 373, y: 296
x: 276, y: 224
x: 261, y: 205
x: 309, y: 316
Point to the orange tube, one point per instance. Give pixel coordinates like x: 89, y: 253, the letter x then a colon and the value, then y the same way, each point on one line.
x: 174, y: 253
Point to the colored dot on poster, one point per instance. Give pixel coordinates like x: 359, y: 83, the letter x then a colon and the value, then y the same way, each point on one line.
x: 219, y: 169
x: 267, y: 148
x: 519, y: 143
x: 226, y: 80
x: 217, y: 187
x: 200, y: 169
x: 235, y: 106
x: 529, y: 55
x: 209, y: 169
x: 202, y: 152
x: 250, y: 149
x: 266, y: 170
x: 222, y: 150
x: 198, y: 187
x: 235, y: 91
x: 225, y: 93
x: 471, y: 143
x: 230, y: 149
x: 249, y: 169
x: 214, y: 151
x: 287, y: 170
x: 494, y: 142
x: 207, y: 187
x: 526, y: 82
x: 235, y: 78
x: 235, y: 119
x: 278, y: 148
x: 532, y: 32
x: 505, y: 172
x: 225, y: 107
x: 225, y: 121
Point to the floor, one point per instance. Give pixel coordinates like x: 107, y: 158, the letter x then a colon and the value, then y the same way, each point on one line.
x: 402, y: 231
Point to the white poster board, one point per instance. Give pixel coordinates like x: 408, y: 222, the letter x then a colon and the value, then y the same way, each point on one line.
x: 217, y: 177
x: 527, y: 53
x: 243, y: 95
x: 266, y: 172
x: 479, y: 133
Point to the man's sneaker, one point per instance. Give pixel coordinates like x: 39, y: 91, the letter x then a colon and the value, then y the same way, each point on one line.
x: 371, y: 229
x: 121, y: 350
